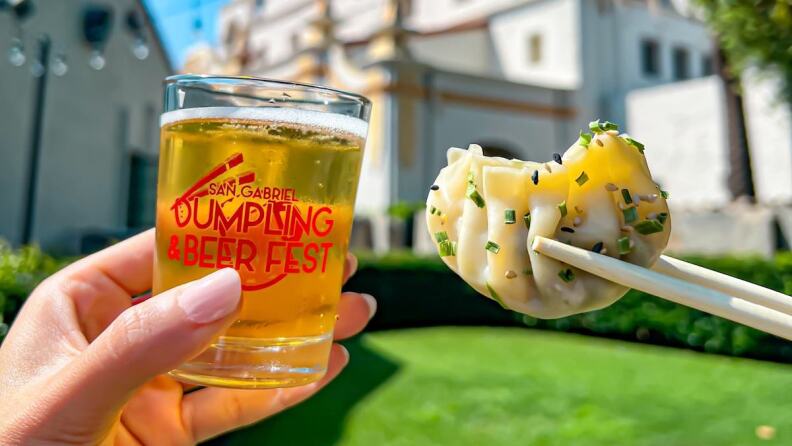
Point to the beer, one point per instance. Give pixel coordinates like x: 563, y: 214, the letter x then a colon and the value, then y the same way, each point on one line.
x: 269, y: 192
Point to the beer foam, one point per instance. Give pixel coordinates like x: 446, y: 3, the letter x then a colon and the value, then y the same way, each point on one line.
x: 334, y: 121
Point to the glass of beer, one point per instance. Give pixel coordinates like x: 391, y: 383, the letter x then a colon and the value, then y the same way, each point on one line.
x: 260, y: 176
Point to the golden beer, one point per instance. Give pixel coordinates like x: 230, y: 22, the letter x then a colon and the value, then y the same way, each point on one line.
x: 269, y: 192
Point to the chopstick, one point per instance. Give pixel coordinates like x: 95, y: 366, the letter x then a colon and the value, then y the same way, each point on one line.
x: 671, y: 288
x: 726, y: 284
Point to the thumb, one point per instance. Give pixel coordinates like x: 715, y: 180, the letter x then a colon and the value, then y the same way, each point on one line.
x: 152, y: 338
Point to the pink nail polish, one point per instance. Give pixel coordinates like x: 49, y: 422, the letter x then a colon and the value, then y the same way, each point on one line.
x: 372, y: 304
x: 212, y: 297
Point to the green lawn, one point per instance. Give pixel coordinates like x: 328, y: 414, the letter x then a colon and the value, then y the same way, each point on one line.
x: 510, y: 386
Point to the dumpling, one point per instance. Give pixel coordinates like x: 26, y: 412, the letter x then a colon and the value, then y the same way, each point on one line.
x: 484, y: 212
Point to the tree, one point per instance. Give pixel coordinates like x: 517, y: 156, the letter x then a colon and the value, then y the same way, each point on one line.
x: 755, y: 34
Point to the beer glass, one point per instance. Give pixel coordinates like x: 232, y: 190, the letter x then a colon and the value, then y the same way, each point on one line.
x: 260, y: 176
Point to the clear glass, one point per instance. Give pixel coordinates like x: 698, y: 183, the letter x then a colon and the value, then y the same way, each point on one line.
x: 261, y: 176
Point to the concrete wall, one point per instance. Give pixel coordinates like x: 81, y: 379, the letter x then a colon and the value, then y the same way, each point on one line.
x: 556, y: 23
x: 611, y: 35
x: 93, y: 120
x: 769, y: 121
x: 684, y: 128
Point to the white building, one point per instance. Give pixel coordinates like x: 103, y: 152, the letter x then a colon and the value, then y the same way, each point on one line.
x: 96, y: 170
x: 518, y: 76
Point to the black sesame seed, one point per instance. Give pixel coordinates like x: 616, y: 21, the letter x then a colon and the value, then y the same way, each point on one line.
x: 557, y: 158
x: 597, y: 247
x: 535, y: 177
x: 435, y: 187
x: 567, y: 229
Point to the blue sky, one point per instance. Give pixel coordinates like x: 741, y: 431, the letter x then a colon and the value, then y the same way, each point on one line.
x: 174, y: 20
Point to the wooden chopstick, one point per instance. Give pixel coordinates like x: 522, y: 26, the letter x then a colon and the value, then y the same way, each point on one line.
x: 669, y: 288
x: 726, y: 284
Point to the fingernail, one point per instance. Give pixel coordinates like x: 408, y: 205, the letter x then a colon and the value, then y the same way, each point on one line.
x: 353, y: 263
x: 344, y: 352
x: 212, y: 297
x: 372, y: 304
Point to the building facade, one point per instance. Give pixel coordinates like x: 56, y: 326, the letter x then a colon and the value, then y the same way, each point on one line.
x: 519, y: 77
x: 89, y: 108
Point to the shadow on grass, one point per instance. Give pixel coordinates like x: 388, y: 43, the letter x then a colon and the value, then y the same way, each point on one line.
x: 320, y: 420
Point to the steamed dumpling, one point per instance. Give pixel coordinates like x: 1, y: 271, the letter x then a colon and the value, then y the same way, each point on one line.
x: 486, y: 211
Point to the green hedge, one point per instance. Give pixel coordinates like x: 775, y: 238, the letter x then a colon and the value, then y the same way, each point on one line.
x: 422, y: 291
x: 418, y: 291
x: 20, y: 271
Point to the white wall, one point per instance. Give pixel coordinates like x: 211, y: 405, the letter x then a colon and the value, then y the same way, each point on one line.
x: 556, y: 21
x: 468, y: 52
x: 769, y: 122
x: 84, y: 166
x: 611, y: 52
x: 683, y: 127
x: 431, y: 15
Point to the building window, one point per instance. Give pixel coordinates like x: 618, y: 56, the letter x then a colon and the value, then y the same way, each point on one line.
x: 681, y: 60
x: 707, y: 66
x: 535, y: 49
x: 142, y: 191
x: 650, y: 57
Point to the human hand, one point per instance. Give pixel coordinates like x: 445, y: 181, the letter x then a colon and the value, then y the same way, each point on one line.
x: 81, y: 365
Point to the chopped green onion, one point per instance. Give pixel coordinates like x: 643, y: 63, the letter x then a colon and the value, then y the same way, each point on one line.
x: 647, y: 227
x: 584, y: 139
x: 582, y: 178
x: 662, y: 217
x: 528, y: 271
x: 441, y: 236
x: 630, y: 215
x: 562, y: 207
x: 567, y: 275
x: 664, y: 194
x: 624, y: 245
x: 495, y: 297
x: 627, y: 197
x: 527, y: 220
x: 447, y: 248
x: 492, y: 247
x: 473, y: 194
x: 509, y: 216
x: 601, y: 127
x: 633, y: 143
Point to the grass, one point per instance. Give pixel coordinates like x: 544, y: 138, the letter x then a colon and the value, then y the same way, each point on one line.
x: 508, y: 386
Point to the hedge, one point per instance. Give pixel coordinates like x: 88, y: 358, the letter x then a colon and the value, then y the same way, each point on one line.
x: 423, y: 292
x: 420, y: 291
x: 20, y: 271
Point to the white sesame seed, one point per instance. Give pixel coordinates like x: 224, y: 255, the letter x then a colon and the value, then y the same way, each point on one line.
x: 651, y: 215
x: 627, y: 228
x: 510, y: 274
x: 651, y: 198
x: 577, y: 221
x: 599, y: 143
x: 603, y: 251
x: 547, y: 167
x: 613, y: 132
x: 610, y: 187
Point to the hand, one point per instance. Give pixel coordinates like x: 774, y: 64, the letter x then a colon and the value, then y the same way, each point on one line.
x: 83, y: 366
